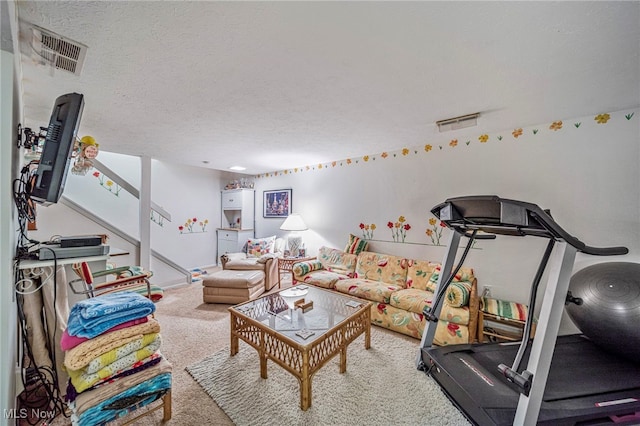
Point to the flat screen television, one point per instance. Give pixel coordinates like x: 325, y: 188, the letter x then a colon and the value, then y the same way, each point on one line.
x: 51, y: 174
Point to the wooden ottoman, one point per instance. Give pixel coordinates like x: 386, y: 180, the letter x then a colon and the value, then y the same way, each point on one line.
x: 229, y: 286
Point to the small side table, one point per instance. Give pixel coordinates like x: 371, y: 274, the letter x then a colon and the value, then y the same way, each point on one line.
x: 285, y: 264
x: 502, y: 321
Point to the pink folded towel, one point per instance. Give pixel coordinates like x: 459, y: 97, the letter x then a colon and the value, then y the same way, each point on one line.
x: 68, y: 341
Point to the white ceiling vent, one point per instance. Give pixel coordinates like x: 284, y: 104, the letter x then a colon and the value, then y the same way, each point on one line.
x: 57, y: 51
x: 457, y: 123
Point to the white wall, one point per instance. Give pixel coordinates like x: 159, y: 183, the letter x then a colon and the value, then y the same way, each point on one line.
x: 587, y: 175
x: 9, y: 167
x: 187, y: 193
x: 184, y: 192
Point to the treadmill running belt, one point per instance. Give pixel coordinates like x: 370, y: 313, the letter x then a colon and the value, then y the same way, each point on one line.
x: 579, y: 368
x: 584, y: 382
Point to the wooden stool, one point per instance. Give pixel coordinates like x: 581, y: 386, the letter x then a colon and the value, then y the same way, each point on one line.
x: 502, y: 321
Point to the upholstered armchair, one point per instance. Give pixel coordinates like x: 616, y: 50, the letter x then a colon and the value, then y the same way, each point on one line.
x: 264, y: 259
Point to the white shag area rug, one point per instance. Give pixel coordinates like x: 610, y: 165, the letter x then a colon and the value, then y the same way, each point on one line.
x: 381, y: 386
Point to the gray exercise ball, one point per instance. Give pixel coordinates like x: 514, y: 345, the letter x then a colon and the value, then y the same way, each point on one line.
x: 610, y: 311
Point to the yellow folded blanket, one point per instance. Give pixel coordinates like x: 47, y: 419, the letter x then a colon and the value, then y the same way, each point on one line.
x: 90, y: 398
x: 108, y: 364
x: 80, y: 356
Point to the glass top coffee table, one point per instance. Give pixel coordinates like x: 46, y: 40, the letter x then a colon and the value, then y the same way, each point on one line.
x: 301, y: 329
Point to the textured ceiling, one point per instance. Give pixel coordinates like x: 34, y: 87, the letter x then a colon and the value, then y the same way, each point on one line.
x: 276, y: 85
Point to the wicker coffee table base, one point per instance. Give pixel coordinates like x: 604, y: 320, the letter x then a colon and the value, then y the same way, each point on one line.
x: 303, y: 361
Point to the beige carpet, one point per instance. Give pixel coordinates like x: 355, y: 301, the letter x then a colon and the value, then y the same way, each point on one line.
x: 381, y: 386
x: 192, y: 331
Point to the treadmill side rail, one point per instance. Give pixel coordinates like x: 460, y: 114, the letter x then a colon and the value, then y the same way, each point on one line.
x: 447, y: 266
x: 561, y: 266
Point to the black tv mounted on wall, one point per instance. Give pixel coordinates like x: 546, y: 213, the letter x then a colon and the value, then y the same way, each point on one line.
x: 51, y: 174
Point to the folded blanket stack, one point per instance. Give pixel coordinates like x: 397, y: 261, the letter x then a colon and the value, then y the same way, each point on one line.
x: 112, y: 355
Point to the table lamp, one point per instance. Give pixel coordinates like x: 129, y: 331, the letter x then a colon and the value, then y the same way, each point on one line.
x: 294, y: 223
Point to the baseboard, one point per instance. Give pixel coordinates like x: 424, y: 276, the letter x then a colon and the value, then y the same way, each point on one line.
x: 181, y: 282
x: 174, y: 284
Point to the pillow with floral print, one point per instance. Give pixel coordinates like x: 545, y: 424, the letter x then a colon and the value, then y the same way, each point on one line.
x: 256, y: 247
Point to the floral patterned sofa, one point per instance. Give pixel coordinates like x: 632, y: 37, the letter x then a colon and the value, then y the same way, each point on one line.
x: 399, y: 288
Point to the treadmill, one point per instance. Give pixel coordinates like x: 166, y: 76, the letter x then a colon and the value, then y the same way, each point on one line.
x: 550, y: 379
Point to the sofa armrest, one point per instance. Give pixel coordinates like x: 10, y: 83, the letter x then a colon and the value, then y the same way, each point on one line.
x: 474, y: 303
x: 302, y: 268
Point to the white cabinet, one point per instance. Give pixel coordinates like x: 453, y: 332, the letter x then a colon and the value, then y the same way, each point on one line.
x: 237, y: 220
x: 232, y: 200
x: 237, y: 209
x: 232, y: 240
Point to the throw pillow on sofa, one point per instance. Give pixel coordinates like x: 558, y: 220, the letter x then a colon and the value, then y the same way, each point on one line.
x: 464, y: 274
x: 458, y: 294
x: 419, y: 274
x: 355, y: 245
x: 303, y: 268
x: 338, y: 261
x: 256, y: 247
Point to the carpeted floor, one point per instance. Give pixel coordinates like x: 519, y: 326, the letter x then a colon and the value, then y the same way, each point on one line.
x: 192, y: 331
x: 380, y: 386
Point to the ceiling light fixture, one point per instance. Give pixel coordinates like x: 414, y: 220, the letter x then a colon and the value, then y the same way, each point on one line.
x: 237, y: 168
x: 456, y: 123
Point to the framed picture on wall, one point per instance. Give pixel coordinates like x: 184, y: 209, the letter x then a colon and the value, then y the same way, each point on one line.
x: 277, y: 203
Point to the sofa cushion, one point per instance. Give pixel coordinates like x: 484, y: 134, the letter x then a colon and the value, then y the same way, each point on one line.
x: 266, y: 257
x: 256, y: 247
x: 385, y: 268
x: 449, y: 333
x: 399, y: 320
x: 412, y: 300
x: 321, y: 278
x: 455, y: 315
x: 355, y: 245
x: 337, y: 261
x: 374, y: 291
x: 419, y: 273
x: 412, y: 324
x: 244, y: 264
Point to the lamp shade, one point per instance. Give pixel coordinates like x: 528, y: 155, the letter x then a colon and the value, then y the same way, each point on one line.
x: 294, y: 222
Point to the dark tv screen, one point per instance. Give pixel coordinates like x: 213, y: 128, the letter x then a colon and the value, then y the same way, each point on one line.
x: 51, y: 174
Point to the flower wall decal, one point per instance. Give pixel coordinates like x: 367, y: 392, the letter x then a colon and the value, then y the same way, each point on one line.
x: 188, y: 227
x: 556, y: 125
x: 399, y: 229
x: 159, y: 219
x: 442, y: 145
x: 108, y: 184
x: 435, y: 232
x: 367, y: 230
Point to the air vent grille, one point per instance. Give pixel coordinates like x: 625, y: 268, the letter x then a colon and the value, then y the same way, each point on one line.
x: 57, y: 51
x: 457, y: 123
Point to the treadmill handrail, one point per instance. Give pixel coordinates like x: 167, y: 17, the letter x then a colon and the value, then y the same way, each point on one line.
x: 529, y: 219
